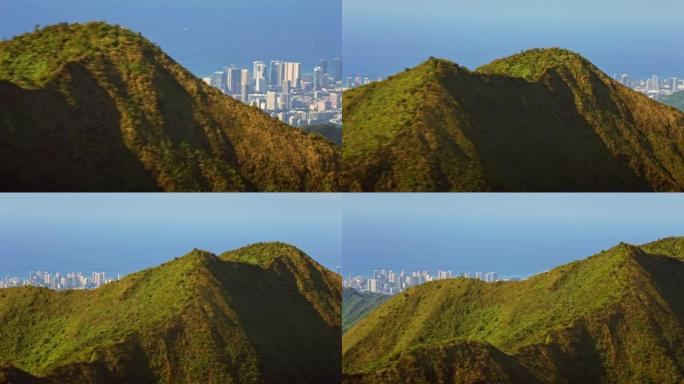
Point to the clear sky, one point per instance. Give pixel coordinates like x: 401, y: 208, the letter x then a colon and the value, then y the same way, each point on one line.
x: 512, y: 233
x: 123, y: 233
x: 202, y: 35
x: 385, y: 36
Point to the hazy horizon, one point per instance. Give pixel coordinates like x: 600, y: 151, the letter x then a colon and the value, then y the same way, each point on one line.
x: 124, y: 233
x: 385, y: 36
x: 511, y: 234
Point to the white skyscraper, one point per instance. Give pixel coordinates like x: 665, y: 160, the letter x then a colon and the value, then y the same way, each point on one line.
x: 292, y: 73
x: 373, y: 285
x: 244, y: 85
x: 259, y: 75
x: 655, y: 83
x: 271, y: 101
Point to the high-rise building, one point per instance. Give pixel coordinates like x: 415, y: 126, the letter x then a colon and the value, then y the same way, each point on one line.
x: 244, y: 85
x: 258, y: 69
x: 373, y: 285
x: 276, y: 72
x: 284, y: 102
x: 218, y: 80
x: 490, y: 277
x: 318, y: 80
x: 259, y: 84
x: 271, y: 101
x: 335, y: 99
x: 655, y: 83
x: 350, y: 82
x: 337, y: 69
x: 233, y: 75
x: 259, y: 75
x: 292, y: 73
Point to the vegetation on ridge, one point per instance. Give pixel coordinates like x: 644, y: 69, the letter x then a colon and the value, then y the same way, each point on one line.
x: 96, y: 107
x: 198, y: 318
x: 543, y: 120
x: 614, y: 317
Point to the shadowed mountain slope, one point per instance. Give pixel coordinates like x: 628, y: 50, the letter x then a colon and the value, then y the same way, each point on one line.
x: 542, y: 120
x: 96, y: 107
x: 356, y: 305
x: 266, y: 313
x: 615, y: 317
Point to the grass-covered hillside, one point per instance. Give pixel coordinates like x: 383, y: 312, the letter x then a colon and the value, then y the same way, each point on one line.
x: 615, y: 317
x: 356, y: 305
x: 266, y: 313
x: 97, y: 107
x: 541, y: 120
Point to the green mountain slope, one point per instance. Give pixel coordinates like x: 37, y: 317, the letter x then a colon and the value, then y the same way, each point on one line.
x: 615, y: 317
x: 542, y: 120
x: 96, y: 107
x: 674, y: 100
x: 356, y: 305
x: 266, y: 313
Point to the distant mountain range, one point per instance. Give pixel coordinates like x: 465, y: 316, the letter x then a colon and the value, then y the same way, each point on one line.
x: 615, y: 317
x: 356, y: 305
x: 96, y: 107
x: 542, y: 120
x: 266, y: 313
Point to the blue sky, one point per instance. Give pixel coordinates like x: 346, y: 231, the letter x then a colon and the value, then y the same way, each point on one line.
x: 218, y: 32
x: 385, y: 36
x: 123, y: 233
x: 513, y: 234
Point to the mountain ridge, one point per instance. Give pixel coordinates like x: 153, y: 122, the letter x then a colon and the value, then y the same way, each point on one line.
x: 200, y: 317
x: 97, y: 107
x: 543, y: 120
x: 613, y: 317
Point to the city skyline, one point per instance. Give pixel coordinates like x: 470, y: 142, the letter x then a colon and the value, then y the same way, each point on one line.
x: 514, y: 235
x: 59, y: 281
x: 390, y: 282
x: 284, y: 91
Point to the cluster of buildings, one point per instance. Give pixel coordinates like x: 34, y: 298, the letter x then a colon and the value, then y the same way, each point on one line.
x: 654, y: 87
x: 357, y: 81
x: 389, y: 282
x: 59, y: 281
x: 281, y: 89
